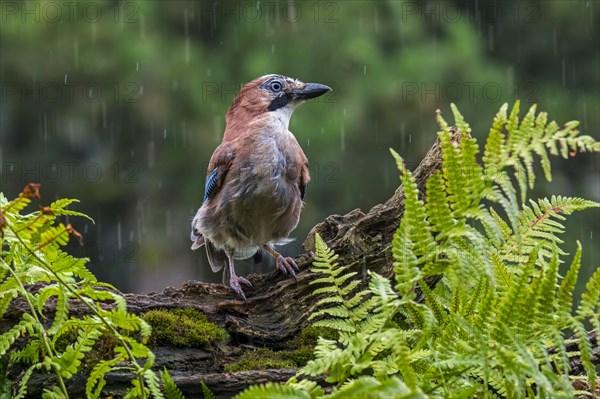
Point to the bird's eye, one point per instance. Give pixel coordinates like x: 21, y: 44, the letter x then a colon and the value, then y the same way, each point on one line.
x: 276, y: 86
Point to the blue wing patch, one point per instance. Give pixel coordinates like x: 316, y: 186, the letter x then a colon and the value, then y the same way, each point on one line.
x: 211, y: 183
x: 303, y: 190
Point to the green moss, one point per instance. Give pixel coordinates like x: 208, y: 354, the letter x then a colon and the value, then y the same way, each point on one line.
x: 183, y: 327
x: 262, y: 359
x: 301, y: 355
x: 309, y: 335
x: 299, y: 352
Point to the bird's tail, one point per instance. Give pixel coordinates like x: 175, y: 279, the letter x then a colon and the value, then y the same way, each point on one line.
x: 216, y: 257
x: 195, y: 235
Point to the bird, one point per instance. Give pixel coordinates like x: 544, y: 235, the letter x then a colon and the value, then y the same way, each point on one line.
x: 256, y: 179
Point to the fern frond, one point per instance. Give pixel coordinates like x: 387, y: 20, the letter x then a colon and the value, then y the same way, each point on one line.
x: 205, y: 391
x: 567, y: 286
x: 415, y: 215
x: 272, y: 390
x: 23, y: 383
x: 345, y: 307
x: 70, y: 360
x: 96, y: 381
x: 438, y: 208
x: 30, y: 354
x: 495, y: 153
x: 26, y: 325
x: 153, y: 384
x: 59, y: 208
x: 406, y: 263
x: 585, y: 348
x: 590, y: 299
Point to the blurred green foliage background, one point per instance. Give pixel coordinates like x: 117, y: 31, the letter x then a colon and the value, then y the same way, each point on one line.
x: 120, y: 104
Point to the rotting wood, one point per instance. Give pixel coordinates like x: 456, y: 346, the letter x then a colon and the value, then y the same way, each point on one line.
x: 276, y: 310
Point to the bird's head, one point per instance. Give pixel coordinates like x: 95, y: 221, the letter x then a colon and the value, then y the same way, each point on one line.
x: 271, y: 97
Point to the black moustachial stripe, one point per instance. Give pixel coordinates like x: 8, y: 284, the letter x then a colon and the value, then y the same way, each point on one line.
x: 279, y: 102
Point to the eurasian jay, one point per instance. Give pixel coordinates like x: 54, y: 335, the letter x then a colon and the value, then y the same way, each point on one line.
x: 256, y: 179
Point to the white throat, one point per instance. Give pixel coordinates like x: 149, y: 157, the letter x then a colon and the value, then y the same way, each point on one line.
x: 283, y: 115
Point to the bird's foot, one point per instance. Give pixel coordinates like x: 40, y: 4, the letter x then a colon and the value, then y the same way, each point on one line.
x: 234, y: 283
x: 288, y: 266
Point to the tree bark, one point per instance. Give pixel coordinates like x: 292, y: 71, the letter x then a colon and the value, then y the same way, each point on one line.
x: 277, y: 307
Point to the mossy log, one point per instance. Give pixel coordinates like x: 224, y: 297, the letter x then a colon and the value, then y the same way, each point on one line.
x: 276, y: 310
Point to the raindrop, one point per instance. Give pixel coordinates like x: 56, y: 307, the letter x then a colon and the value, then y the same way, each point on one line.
x: 141, y: 89
x: 119, y: 234
x: 308, y: 142
x: 490, y: 37
x: 410, y: 138
x: 45, y: 127
x: 185, y: 21
x: 142, y: 28
x: 165, y: 134
x: 364, y: 70
x: 140, y: 221
x: 343, y: 139
x: 272, y: 48
x: 386, y: 175
x: 65, y: 78
x: 137, y: 66
x: 76, y: 52
x: 104, y: 118
x: 168, y: 223
x: 151, y: 153
x: 188, y: 52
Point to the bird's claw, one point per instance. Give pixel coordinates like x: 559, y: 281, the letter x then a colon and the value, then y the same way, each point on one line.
x: 234, y: 283
x: 244, y: 281
x: 288, y: 266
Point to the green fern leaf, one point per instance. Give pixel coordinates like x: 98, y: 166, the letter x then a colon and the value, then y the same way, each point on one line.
x: 96, y: 381
x: 70, y: 360
x: 566, y: 288
x: 585, y: 347
x: 27, y: 324
x: 206, y: 392
x: 153, y: 384
x: 59, y: 208
x: 591, y: 297
x: 415, y: 215
x: 23, y: 383
x: 274, y: 391
x: 406, y: 264
x: 495, y: 153
x: 62, y: 311
x: 438, y: 209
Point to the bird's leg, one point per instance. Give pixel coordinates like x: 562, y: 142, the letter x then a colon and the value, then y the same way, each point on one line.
x: 287, y: 265
x: 234, y: 281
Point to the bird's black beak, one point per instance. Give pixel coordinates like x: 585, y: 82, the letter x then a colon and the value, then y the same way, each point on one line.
x: 311, y: 90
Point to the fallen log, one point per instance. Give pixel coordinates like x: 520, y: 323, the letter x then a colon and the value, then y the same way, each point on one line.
x: 276, y: 310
